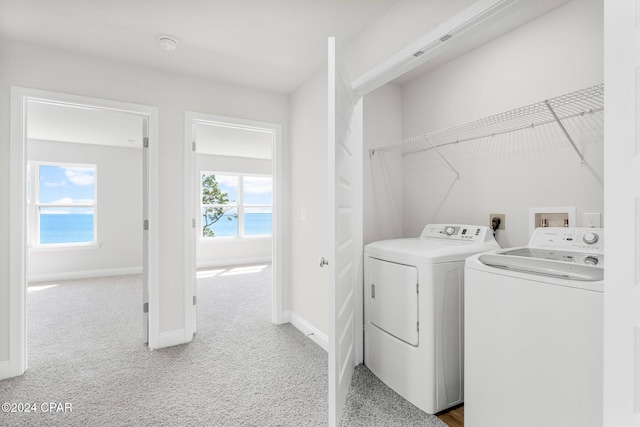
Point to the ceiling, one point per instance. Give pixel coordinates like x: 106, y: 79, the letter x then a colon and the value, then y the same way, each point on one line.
x: 274, y: 45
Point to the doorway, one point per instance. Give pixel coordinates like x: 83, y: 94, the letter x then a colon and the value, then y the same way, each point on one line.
x: 238, y: 163
x: 87, y: 114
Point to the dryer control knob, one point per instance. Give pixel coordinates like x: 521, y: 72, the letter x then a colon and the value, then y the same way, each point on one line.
x: 449, y: 231
x: 590, y: 238
x: 590, y: 260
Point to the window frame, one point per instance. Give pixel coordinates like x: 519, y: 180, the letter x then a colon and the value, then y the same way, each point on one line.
x: 239, y: 205
x: 34, y: 205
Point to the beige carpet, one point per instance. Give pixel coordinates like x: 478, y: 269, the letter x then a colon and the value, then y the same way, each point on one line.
x: 240, y: 370
x: 86, y: 351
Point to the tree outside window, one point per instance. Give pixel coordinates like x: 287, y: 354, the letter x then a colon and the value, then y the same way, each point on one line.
x: 217, y: 205
x: 236, y: 205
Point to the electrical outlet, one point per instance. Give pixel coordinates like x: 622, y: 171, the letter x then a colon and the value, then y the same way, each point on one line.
x: 591, y: 220
x: 499, y: 216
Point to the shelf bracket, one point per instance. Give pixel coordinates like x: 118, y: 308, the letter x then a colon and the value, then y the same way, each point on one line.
x: 564, y: 130
x: 442, y: 156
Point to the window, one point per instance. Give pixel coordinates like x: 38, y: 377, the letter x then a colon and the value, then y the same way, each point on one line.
x: 236, y: 205
x: 61, y: 204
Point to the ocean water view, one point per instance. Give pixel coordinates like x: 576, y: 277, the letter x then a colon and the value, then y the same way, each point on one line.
x: 78, y: 228
x: 66, y: 228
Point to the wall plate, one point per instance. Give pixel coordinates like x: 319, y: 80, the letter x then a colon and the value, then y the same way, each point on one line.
x: 502, y: 220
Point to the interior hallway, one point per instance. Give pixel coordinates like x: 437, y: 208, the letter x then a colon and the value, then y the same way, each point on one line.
x: 85, y: 348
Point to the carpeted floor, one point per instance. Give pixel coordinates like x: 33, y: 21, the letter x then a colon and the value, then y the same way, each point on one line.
x: 86, y: 353
x: 371, y: 403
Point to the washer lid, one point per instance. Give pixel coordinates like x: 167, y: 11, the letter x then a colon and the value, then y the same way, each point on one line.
x: 548, y: 262
x: 416, y: 250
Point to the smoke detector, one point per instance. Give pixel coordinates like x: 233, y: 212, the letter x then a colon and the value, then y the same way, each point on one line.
x: 167, y: 42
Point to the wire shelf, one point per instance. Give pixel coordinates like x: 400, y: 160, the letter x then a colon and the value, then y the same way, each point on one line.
x: 574, y: 104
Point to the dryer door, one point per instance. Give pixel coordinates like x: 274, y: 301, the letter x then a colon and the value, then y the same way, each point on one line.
x: 393, y: 299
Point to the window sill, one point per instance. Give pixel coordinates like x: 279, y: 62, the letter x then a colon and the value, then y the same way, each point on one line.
x: 56, y: 247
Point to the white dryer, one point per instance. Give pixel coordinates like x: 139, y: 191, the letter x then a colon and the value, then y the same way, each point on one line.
x: 534, y: 332
x: 413, y: 312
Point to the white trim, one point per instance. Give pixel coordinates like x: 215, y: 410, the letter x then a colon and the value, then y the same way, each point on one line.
x: 35, y: 205
x: 17, y: 236
x: 85, y: 274
x: 431, y: 44
x: 171, y: 338
x: 622, y: 219
x: 191, y: 225
x: 61, y: 247
x: 17, y: 215
x: 5, y: 369
x: 239, y: 205
x: 358, y: 234
x: 310, y: 331
x: 190, y: 202
x: 277, y: 225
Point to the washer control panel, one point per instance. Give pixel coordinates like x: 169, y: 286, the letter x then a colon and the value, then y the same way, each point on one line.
x: 459, y: 232
x: 573, y: 238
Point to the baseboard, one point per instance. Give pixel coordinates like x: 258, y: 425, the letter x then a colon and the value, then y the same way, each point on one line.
x: 308, y: 330
x: 5, y: 370
x: 171, y: 338
x: 71, y: 275
x: 233, y: 263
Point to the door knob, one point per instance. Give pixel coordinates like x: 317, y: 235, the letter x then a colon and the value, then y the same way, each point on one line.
x: 323, y: 262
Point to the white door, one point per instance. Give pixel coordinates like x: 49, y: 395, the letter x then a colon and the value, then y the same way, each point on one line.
x: 345, y: 231
x: 622, y: 214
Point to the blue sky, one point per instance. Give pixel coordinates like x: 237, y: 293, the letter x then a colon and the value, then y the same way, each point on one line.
x: 67, y: 185
x: 258, y: 190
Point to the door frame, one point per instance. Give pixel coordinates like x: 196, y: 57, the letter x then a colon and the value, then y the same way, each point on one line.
x: 191, y: 119
x: 622, y: 214
x: 18, y: 358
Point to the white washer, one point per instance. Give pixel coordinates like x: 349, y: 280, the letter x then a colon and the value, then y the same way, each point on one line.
x: 414, y: 313
x: 534, y: 332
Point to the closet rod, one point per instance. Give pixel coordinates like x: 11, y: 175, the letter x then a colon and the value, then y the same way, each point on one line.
x: 585, y: 101
x: 489, y: 134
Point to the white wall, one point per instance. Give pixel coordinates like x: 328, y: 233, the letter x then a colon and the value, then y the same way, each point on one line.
x: 558, y: 53
x: 225, y: 252
x: 119, y: 213
x: 47, y: 69
x: 382, y: 178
